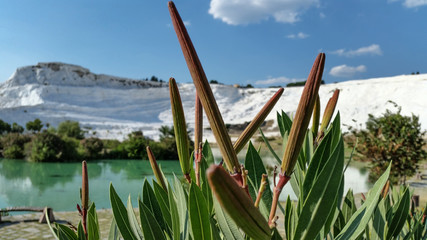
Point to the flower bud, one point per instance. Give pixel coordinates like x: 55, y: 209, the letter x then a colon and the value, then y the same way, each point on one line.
x: 180, y: 128
x: 237, y: 204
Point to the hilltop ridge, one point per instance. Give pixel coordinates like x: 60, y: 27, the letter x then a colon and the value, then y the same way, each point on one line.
x: 63, y: 74
x: 112, y: 107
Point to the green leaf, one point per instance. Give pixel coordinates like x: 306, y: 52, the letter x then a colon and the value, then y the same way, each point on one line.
x: 92, y: 223
x: 321, y: 198
x: 162, y: 199
x: 149, y: 199
x: 120, y: 214
x: 379, y: 222
x: 320, y: 157
x: 357, y: 223
x: 136, y: 229
x: 174, y: 215
x: 181, y: 200
x: 53, y: 231
x: 215, y: 229
x: 289, y: 219
x: 151, y: 229
x: 199, y: 214
x: 228, y: 228
x: 270, y: 148
x: 256, y: 169
x: 207, y: 154
x: 114, y: 233
x: 65, y: 232
x: 399, y: 216
x: 80, y: 231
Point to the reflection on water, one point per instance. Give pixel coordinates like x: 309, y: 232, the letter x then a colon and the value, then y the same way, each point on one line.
x: 57, y: 184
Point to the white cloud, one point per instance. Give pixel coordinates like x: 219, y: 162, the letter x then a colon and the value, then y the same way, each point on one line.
x: 414, y: 3
x: 278, y: 81
x: 299, y: 35
x: 346, y: 71
x: 373, y: 49
x: 411, y: 3
x: 237, y: 12
x: 322, y: 15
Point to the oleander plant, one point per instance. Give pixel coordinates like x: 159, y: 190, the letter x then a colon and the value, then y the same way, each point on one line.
x: 240, y: 200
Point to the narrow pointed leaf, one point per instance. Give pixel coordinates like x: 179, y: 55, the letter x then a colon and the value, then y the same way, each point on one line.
x: 136, y: 229
x: 162, y: 199
x: 120, y: 215
x: 226, y: 224
x: 269, y: 147
x: 151, y: 229
x: 176, y: 232
x: 149, y: 199
x: 399, y: 216
x: 199, y: 214
x: 357, y: 223
x: 256, y: 169
x: 321, y: 198
x: 114, y: 233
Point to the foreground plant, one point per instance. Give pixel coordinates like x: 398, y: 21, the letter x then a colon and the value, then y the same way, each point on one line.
x: 236, y: 202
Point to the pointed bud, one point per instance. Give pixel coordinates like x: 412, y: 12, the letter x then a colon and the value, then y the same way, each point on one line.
x: 156, y: 170
x: 204, y: 91
x: 85, y: 187
x: 198, y: 124
x: 316, y: 117
x: 329, y: 111
x: 303, y: 115
x: 180, y: 128
x: 237, y: 203
x: 256, y: 122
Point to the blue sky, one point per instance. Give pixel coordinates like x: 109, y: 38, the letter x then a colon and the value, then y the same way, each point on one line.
x: 263, y: 43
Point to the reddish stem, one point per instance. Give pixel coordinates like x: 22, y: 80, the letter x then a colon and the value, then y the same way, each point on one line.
x: 283, y: 179
x: 187, y: 176
x: 84, y: 221
x: 198, y: 159
x: 237, y: 176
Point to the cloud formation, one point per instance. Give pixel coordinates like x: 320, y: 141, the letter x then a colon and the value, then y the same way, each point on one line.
x: 373, y: 49
x: 299, y: 35
x: 412, y: 3
x: 236, y: 12
x: 346, y: 71
x: 278, y: 81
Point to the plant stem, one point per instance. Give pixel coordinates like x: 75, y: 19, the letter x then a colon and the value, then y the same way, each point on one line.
x: 198, y: 158
x: 261, y: 189
x: 283, y: 179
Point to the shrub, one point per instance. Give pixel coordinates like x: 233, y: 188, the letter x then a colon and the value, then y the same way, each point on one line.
x: 49, y: 147
x: 92, y: 147
x: 16, y: 128
x: 13, y: 145
x: 34, y: 126
x: 4, y: 127
x: 70, y: 129
x: 135, y: 146
x: 392, y: 138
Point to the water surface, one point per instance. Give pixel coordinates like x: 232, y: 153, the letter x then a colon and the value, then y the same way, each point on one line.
x: 57, y: 184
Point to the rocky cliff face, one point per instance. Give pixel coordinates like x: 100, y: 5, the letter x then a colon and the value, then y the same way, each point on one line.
x: 112, y: 107
x: 61, y: 74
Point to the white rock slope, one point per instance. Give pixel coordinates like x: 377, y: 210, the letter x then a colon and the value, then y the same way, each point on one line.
x: 113, y: 107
